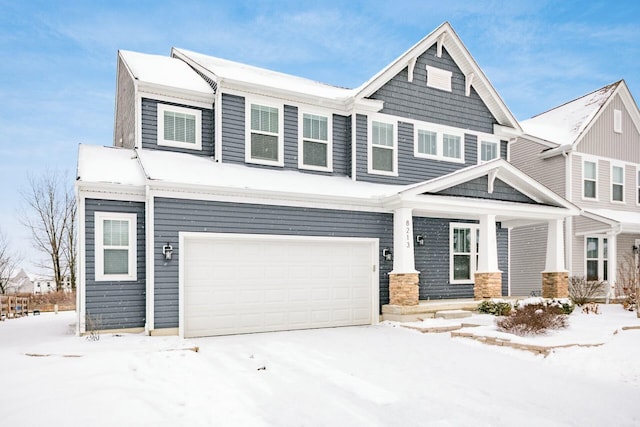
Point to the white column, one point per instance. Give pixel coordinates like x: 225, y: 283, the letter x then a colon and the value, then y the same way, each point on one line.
x: 612, y: 263
x: 488, y: 245
x: 403, y: 259
x: 555, y: 247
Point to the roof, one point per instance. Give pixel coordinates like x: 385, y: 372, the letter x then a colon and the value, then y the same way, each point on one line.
x: 564, y: 125
x: 625, y: 221
x: 108, y: 165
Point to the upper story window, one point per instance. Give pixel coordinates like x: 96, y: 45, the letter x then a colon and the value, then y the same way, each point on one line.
x: 179, y: 127
x: 438, y: 142
x: 315, y: 149
x: 617, y: 121
x: 383, y: 158
x: 264, y: 142
x: 115, y: 246
x: 589, y: 178
x: 488, y: 150
x: 617, y: 183
x: 452, y: 146
x: 438, y: 78
x: 427, y: 142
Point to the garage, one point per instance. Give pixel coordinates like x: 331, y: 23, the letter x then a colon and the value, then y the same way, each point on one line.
x: 239, y: 283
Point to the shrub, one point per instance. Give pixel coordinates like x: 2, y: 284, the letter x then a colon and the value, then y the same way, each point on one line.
x: 582, y: 291
x: 496, y: 307
x: 565, y: 305
x: 533, y: 319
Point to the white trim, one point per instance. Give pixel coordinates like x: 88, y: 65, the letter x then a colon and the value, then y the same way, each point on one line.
x: 600, y: 259
x: 217, y: 132
x: 617, y: 120
x: 473, y: 267
x: 611, y: 183
x: 81, y: 286
x: 163, y: 97
x: 373, y: 242
x: 328, y: 143
x: 389, y: 121
x: 99, y: 218
x: 637, y: 186
x: 354, y: 147
x: 137, y: 143
x: 163, y: 108
x: 493, y: 141
x: 439, y: 130
x: 595, y: 161
x: 150, y: 267
x: 264, y: 102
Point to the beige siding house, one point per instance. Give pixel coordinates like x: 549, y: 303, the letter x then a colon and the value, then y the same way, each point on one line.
x: 588, y: 151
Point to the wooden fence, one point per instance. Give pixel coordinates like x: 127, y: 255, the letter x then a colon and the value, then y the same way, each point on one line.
x: 11, y: 307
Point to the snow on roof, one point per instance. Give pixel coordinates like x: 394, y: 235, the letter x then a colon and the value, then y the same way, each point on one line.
x: 564, y: 124
x: 165, y: 71
x: 235, y: 71
x: 629, y: 220
x: 112, y: 165
x: 187, y: 169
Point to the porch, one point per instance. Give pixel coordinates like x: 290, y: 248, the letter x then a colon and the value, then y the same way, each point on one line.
x: 430, y: 309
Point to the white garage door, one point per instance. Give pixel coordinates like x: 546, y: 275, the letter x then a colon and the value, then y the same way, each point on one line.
x: 234, y: 284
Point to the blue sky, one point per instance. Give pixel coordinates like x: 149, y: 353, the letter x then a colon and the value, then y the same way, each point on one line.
x: 57, y: 78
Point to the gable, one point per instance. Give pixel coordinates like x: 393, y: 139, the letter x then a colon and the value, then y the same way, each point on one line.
x: 479, y: 188
x: 415, y: 100
x: 601, y: 140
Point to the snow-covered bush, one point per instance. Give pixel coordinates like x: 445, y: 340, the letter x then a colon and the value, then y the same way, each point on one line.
x: 534, y: 316
x: 565, y: 304
x: 496, y: 307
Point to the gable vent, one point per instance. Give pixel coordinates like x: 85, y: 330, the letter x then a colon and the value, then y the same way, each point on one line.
x: 438, y: 78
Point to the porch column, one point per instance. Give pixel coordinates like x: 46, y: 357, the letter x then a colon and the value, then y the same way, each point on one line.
x: 403, y: 279
x: 612, y: 264
x: 555, y: 278
x: 488, y: 278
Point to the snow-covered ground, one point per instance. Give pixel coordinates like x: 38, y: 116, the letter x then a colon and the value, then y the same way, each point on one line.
x: 383, y: 375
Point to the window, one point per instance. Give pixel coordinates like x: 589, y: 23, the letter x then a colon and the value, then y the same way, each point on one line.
x: 264, y: 141
x: 452, y: 146
x: 315, y: 149
x: 382, y: 157
x: 464, y: 252
x: 427, y: 142
x: 617, y: 121
x: 488, y: 150
x: 115, y: 246
x: 638, y: 185
x: 438, y: 78
x: 179, y: 127
x: 596, y: 258
x: 589, y: 174
x: 617, y: 184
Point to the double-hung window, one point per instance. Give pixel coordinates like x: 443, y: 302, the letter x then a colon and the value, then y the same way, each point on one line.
x: 382, y: 154
x: 488, y: 150
x: 315, y: 150
x: 115, y: 246
x: 463, y: 240
x: 617, y: 183
x: 596, y: 258
x: 452, y: 146
x: 179, y: 127
x: 264, y: 143
x: 589, y: 178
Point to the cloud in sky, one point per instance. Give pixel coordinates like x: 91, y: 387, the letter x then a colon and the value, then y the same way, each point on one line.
x: 57, y: 80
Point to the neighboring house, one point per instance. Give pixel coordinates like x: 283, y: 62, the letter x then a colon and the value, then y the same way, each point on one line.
x: 238, y: 199
x: 20, y: 283
x: 588, y: 151
x: 28, y: 283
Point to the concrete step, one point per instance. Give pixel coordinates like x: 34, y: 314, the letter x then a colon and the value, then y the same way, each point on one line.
x: 452, y: 314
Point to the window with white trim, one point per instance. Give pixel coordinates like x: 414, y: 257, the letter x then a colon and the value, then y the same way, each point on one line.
x: 115, y: 246
x: 382, y: 155
x: 488, y: 150
x: 463, y: 239
x: 617, y: 121
x: 179, y: 127
x: 589, y: 178
x: 427, y: 142
x: 596, y: 255
x: 452, y: 146
x: 617, y: 183
x: 315, y: 149
x: 264, y: 143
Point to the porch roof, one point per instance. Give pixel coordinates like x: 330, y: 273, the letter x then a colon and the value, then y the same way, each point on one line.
x: 619, y: 221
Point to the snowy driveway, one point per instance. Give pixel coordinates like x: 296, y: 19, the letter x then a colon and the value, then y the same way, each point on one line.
x: 359, y: 376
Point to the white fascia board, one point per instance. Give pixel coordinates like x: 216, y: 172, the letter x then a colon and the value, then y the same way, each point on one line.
x: 175, y: 95
x: 630, y: 104
x: 244, y: 195
x: 99, y: 190
x: 563, y: 149
x: 539, y: 140
x: 506, y: 132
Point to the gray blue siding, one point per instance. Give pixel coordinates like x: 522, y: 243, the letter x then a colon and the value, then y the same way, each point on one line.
x: 150, y: 128
x: 115, y: 305
x: 478, y: 188
x: 414, y: 100
x: 175, y: 215
x: 233, y: 128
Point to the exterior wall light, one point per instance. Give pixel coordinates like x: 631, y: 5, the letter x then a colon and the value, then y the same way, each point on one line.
x: 387, y: 255
x: 167, y: 250
x: 420, y: 240
x: 635, y: 249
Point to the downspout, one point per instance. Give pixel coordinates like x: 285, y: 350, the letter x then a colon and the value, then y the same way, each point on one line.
x: 354, y: 164
x: 217, y: 131
x: 568, y: 248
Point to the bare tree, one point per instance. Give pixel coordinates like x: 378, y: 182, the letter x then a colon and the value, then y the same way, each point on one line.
x: 70, y: 241
x: 50, y: 215
x: 8, y: 262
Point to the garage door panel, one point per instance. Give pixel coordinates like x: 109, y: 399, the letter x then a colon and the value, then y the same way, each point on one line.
x: 267, y: 283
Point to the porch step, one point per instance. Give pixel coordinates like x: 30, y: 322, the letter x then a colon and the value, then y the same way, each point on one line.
x: 428, y: 310
x: 452, y: 314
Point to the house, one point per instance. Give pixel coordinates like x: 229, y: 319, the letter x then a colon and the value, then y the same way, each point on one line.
x: 30, y: 283
x: 20, y: 283
x: 237, y: 199
x: 588, y: 151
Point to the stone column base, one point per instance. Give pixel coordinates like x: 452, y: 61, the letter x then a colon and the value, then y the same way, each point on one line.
x: 555, y: 284
x: 488, y: 285
x: 403, y: 289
